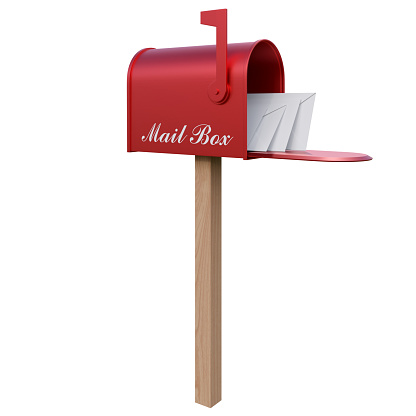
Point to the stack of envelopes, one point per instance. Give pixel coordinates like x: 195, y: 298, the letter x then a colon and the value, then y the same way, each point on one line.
x: 278, y: 122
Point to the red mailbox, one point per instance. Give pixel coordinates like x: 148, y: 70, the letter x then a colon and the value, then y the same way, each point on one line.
x: 193, y: 100
x: 171, y: 110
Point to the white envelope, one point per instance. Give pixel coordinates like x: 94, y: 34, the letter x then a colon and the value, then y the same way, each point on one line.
x: 299, y: 136
x: 265, y: 130
x: 278, y: 122
x: 257, y: 105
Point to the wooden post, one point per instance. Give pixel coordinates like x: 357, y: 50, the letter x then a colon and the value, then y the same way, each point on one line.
x: 207, y: 280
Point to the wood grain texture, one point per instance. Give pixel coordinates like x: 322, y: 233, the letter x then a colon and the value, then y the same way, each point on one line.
x: 207, y: 280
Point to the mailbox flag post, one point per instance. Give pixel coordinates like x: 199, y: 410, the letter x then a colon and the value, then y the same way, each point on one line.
x: 207, y: 280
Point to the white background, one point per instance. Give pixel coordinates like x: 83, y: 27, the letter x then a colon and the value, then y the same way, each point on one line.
x: 97, y: 245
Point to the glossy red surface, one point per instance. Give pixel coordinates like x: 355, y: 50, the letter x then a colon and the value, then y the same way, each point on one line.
x: 170, y: 87
x: 314, y: 155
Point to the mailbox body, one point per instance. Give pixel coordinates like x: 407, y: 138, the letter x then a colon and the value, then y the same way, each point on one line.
x: 168, y: 107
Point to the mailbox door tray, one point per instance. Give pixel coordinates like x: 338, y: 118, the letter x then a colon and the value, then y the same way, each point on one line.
x: 314, y: 155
